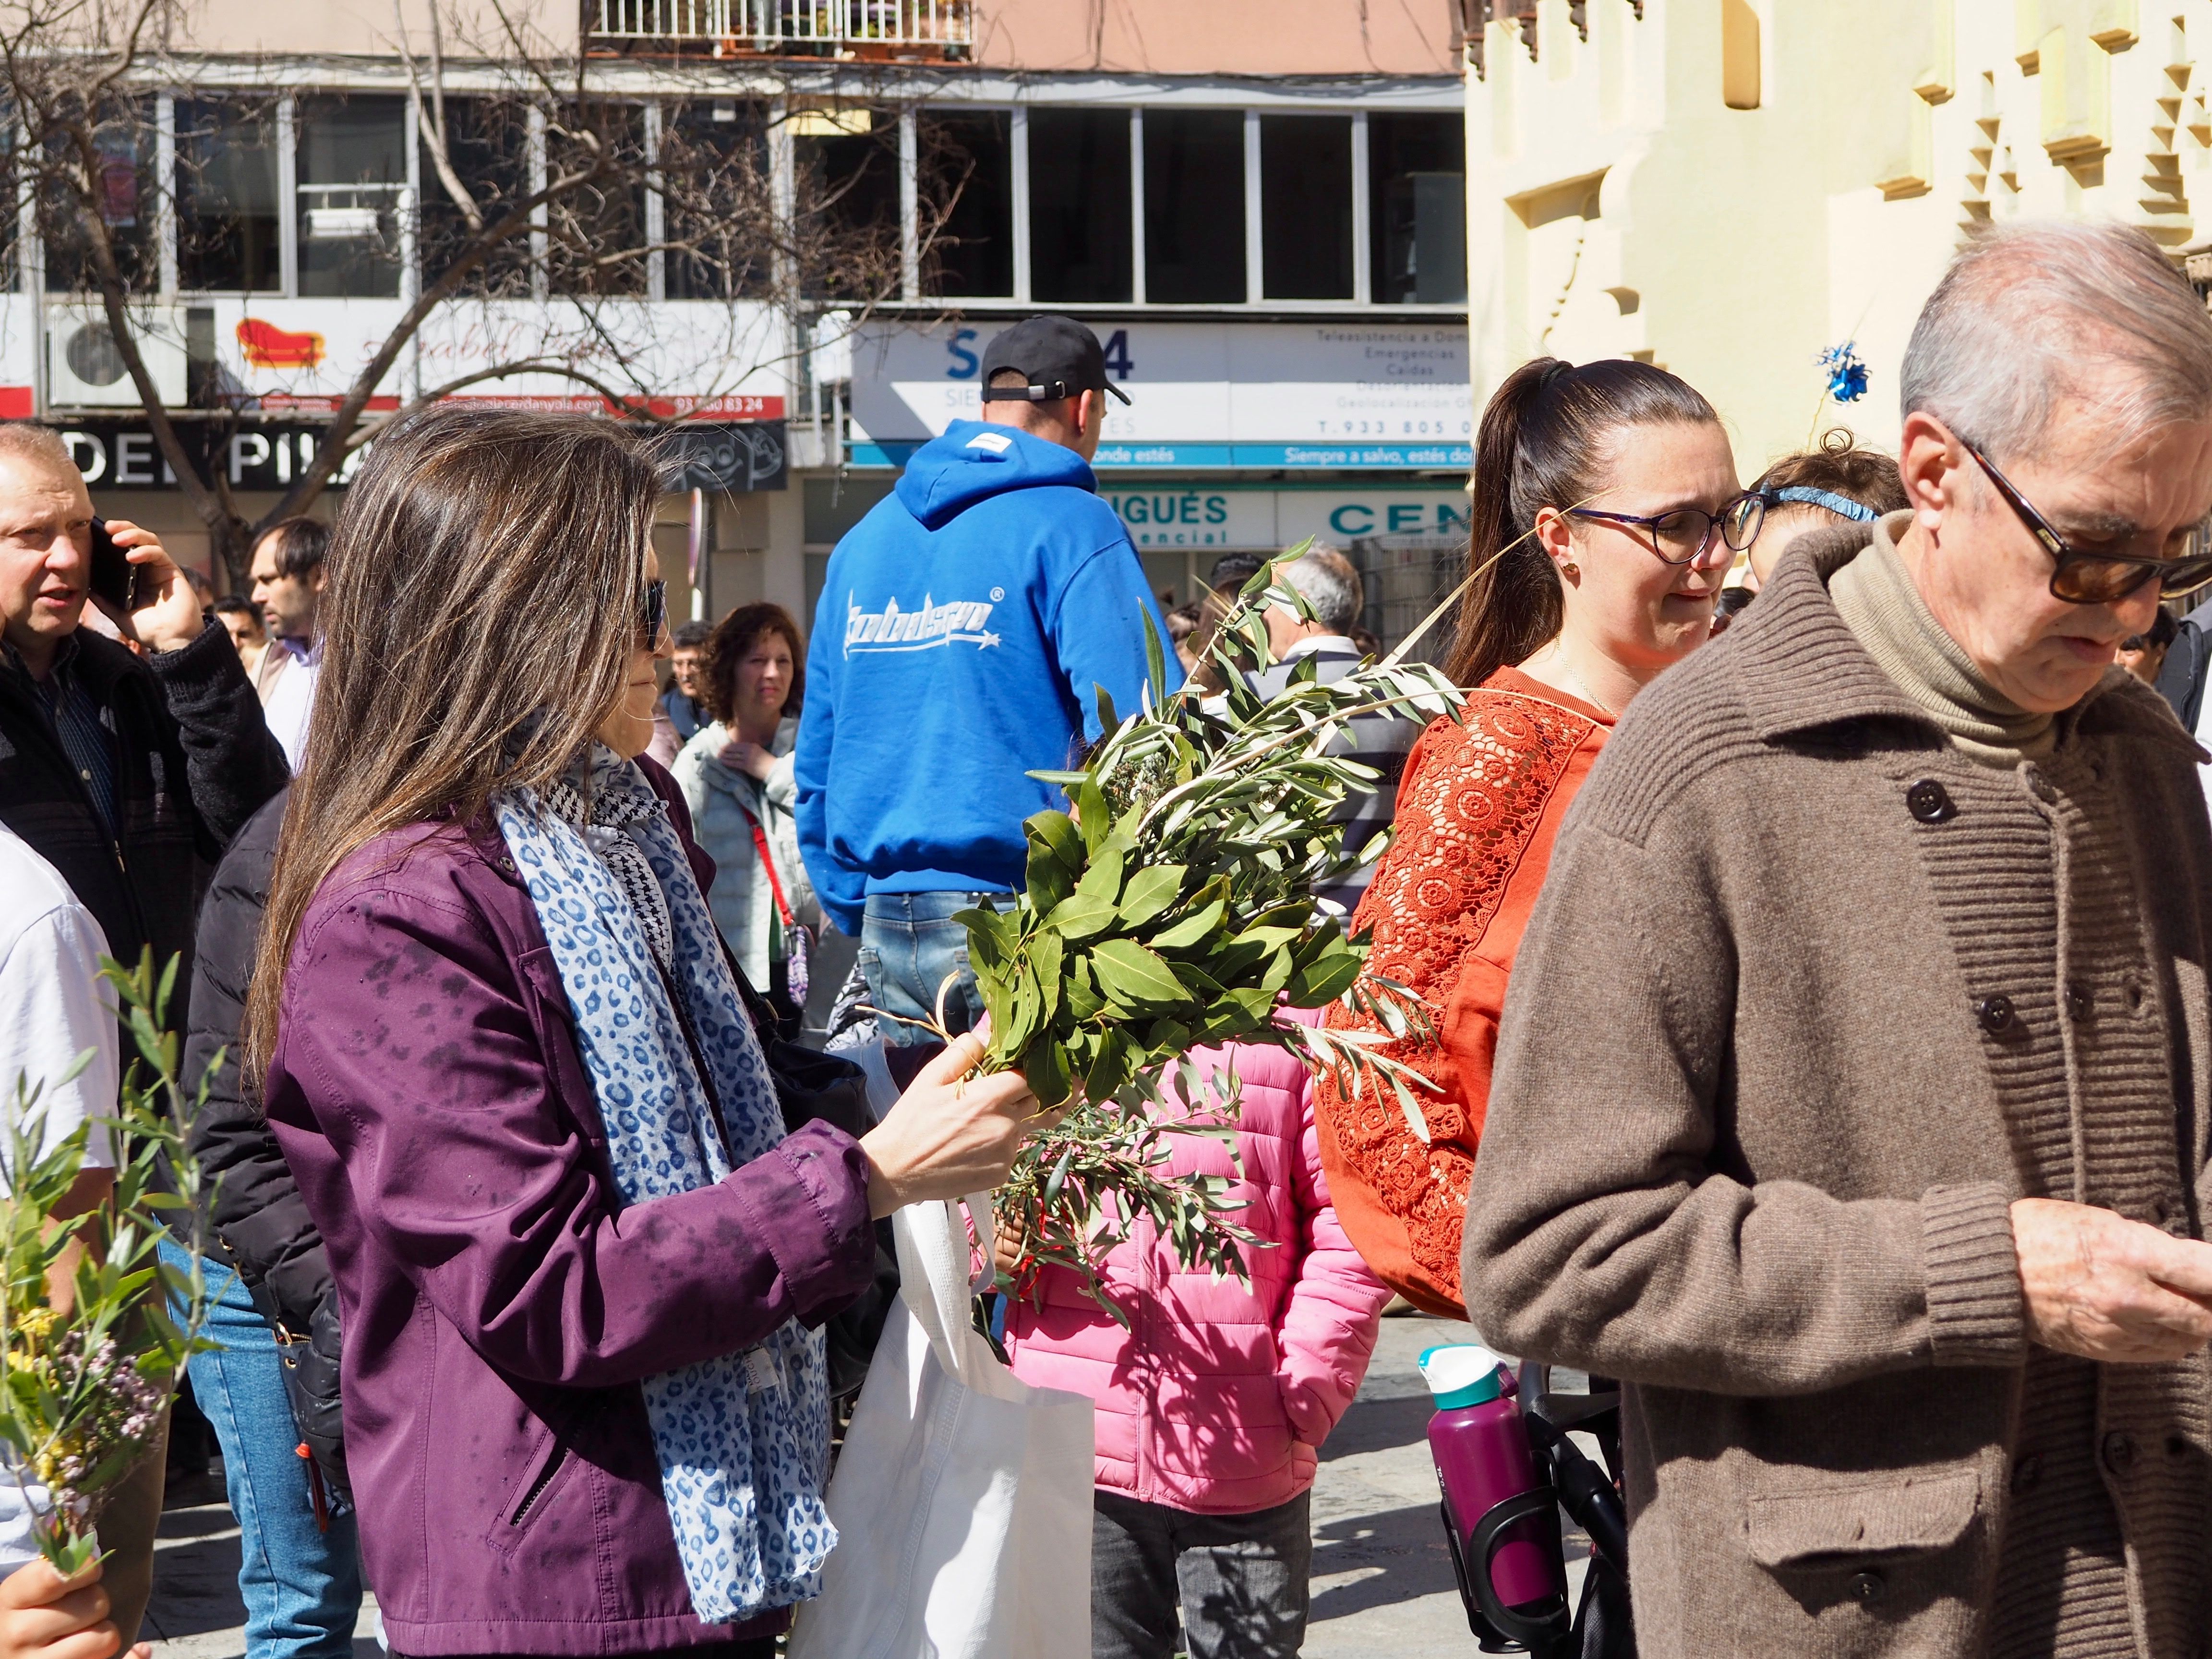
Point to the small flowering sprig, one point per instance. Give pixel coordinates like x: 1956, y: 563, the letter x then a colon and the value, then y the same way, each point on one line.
x: 94, y: 1328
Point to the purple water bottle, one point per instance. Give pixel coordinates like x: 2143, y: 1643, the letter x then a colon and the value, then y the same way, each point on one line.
x: 1483, y: 1460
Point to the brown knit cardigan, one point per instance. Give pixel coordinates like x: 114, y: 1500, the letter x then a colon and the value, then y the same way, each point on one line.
x: 1809, y: 999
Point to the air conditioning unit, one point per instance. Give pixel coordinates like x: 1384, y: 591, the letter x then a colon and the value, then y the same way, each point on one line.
x: 84, y: 364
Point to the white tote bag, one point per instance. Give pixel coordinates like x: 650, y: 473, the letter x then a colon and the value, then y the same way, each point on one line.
x: 963, y: 1495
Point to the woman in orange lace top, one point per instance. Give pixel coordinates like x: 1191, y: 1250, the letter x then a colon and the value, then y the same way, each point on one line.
x: 1625, y: 477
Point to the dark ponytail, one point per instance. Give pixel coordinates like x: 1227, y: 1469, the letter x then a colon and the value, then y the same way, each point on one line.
x: 1546, y: 440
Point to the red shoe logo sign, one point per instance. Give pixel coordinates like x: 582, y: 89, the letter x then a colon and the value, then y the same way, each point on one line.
x: 267, y: 346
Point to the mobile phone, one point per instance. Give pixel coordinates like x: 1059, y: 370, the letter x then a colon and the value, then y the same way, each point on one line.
x: 114, y: 578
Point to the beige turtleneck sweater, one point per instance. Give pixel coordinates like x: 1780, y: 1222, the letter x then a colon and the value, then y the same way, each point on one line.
x: 1878, y: 603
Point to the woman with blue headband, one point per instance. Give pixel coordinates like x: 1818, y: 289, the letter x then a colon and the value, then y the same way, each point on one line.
x: 1837, y: 483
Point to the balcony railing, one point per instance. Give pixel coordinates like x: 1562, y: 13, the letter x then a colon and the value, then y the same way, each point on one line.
x: 731, y: 26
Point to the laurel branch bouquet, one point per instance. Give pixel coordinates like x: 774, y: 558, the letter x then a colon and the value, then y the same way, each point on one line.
x: 1173, y: 907
x: 86, y: 1376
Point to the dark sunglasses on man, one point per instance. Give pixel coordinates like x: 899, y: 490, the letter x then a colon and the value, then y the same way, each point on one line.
x: 2103, y: 575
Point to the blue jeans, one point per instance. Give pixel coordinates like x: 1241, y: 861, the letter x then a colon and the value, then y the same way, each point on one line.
x: 909, y: 945
x: 302, y: 1586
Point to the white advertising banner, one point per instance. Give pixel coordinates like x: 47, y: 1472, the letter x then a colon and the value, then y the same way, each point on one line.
x: 1349, y: 395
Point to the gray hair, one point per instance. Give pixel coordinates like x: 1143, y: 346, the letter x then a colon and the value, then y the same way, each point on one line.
x: 2030, y: 314
x: 1329, y: 583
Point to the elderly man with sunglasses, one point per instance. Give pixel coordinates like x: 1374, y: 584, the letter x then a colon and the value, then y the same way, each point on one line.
x: 1853, y: 1101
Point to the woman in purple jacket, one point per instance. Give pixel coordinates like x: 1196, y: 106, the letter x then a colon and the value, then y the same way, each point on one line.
x: 580, y: 1265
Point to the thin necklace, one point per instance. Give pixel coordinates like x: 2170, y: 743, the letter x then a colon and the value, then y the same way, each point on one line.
x: 1581, y: 686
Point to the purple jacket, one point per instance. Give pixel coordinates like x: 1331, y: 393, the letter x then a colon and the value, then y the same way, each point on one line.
x: 500, y: 1308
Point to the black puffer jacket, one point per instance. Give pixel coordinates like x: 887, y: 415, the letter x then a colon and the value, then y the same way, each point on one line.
x: 259, y: 1225
x: 193, y: 760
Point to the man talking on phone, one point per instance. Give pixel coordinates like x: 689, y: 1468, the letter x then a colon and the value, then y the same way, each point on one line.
x: 127, y: 773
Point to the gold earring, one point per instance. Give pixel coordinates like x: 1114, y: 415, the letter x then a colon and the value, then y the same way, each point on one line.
x: 1570, y: 571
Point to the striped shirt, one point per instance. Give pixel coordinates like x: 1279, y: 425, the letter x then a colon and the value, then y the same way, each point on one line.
x: 74, y: 719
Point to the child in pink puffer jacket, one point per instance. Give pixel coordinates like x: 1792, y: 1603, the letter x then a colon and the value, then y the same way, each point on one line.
x: 1213, y: 1404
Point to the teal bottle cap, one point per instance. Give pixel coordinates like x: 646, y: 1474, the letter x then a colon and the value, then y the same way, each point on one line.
x: 1463, y: 1374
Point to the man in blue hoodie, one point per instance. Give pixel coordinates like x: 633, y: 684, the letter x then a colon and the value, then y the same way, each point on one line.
x: 964, y: 627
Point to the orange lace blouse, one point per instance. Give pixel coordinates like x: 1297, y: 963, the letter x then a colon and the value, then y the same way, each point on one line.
x: 1478, y: 811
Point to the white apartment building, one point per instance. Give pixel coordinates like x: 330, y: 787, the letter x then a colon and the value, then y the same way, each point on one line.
x: 1259, y: 208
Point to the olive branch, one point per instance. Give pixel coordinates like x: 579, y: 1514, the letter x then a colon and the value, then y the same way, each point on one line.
x: 87, y: 1377
x: 1172, y: 908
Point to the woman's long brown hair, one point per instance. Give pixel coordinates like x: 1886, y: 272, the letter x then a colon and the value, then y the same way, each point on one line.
x: 486, y: 576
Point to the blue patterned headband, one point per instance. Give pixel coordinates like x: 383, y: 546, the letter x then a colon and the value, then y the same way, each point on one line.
x: 1842, y: 506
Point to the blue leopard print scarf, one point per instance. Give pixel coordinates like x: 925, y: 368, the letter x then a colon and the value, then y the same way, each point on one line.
x: 743, y: 1439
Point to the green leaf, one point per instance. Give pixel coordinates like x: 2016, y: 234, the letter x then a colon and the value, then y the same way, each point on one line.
x: 1048, y: 879
x: 1111, y: 1069
x: 1081, y: 914
x: 1102, y: 880
x: 1324, y: 981
x: 1056, y: 831
x: 1193, y: 929
x: 1134, y: 977
x: 1155, y: 662
x: 1151, y: 889
x: 1044, y: 958
x: 1093, y: 816
x: 1166, y: 1036
x: 1045, y: 1066
x: 1077, y: 995
x: 1108, y: 719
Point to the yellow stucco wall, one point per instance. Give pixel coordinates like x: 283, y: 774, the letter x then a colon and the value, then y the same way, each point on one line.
x: 1620, y: 206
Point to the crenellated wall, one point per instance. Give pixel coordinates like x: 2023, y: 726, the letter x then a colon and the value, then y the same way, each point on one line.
x: 1728, y: 187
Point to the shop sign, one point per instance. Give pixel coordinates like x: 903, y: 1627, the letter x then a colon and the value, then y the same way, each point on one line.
x: 1320, y: 396
x: 741, y: 459
x: 1163, y: 517
x: 264, y: 455
x: 274, y: 455
x: 1196, y: 518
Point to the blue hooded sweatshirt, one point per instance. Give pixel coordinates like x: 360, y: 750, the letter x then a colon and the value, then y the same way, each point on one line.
x: 963, y: 628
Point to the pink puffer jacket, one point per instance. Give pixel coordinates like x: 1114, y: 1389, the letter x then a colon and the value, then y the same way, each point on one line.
x: 1216, y: 1398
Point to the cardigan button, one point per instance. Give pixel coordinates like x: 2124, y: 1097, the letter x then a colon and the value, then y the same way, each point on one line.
x: 2119, y: 1452
x: 2026, y: 1473
x: 2078, y: 1000
x: 1866, y: 1587
x: 1931, y: 802
x: 1994, y: 1013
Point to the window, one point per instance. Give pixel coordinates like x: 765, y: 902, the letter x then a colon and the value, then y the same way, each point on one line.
x: 352, y: 171
x: 227, y: 207
x: 966, y: 163
x: 1418, y: 197
x: 1305, y: 207
x: 847, y: 196
x: 596, y: 230
x: 1193, y: 206
x: 123, y: 196
x: 487, y: 143
x: 1082, y: 239
x: 715, y: 201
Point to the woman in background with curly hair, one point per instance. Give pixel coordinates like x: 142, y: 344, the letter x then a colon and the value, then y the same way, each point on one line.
x: 1606, y: 511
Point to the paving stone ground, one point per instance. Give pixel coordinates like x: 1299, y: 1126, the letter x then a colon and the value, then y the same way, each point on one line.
x: 1382, y: 1579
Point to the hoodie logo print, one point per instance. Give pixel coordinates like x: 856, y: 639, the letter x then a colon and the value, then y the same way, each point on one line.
x: 956, y: 620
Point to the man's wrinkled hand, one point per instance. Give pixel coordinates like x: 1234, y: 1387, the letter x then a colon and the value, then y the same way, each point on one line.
x: 2106, y: 1288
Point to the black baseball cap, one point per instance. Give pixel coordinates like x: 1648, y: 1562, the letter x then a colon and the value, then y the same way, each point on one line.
x: 1057, y: 356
